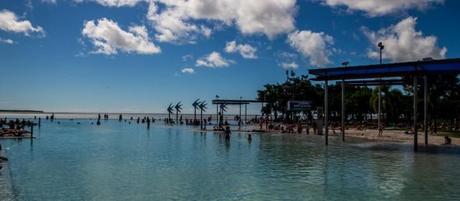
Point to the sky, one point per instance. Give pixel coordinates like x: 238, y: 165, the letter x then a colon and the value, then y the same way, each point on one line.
x: 142, y: 55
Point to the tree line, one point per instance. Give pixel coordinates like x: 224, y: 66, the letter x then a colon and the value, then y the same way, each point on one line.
x: 362, y: 102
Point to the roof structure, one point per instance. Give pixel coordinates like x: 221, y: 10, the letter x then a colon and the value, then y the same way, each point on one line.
x: 374, y: 82
x: 388, y: 70
x: 234, y: 101
x: 366, y: 76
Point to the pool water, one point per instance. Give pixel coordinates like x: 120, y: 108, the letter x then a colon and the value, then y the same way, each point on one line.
x: 121, y: 161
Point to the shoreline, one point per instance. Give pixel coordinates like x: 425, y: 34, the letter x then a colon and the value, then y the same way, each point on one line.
x: 392, y: 136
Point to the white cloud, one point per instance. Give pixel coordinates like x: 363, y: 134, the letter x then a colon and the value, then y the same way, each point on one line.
x: 213, y: 60
x: 108, y: 38
x: 49, y: 1
x: 10, y: 22
x: 6, y: 41
x: 270, y: 17
x: 171, y: 26
x: 188, y: 70
x: 403, y: 43
x: 177, y: 21
x: 247, y: 51
x: 381, y: 7
x: 187, y: 57
x: 289, y: 66
x: 312, y: 45
x: 112, y: 3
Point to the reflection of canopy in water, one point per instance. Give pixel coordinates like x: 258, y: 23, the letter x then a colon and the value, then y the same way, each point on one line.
x: 362, y: 75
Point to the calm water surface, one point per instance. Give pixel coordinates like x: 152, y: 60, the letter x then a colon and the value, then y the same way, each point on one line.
x: 121, y: 161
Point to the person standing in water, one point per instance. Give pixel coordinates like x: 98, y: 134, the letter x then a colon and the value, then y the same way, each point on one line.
x: 227, y: 132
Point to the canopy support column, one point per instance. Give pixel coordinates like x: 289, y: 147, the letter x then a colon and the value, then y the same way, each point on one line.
x: 343, y: 111
x: 379, y: 113
x: 415, y: 114
x: 217, y: 115
x: 245, y: 113
x: 326, y: 113
x: 425, y: 108
x: 239, y: 118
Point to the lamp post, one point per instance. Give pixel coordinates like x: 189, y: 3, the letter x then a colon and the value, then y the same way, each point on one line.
x: 381, y: 47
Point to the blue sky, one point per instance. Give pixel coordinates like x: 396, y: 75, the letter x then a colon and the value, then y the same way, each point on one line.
x: 140, y: 55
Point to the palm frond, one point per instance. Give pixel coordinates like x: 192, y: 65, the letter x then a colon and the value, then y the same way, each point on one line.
x: 223, y: 107
x: 170, y: 108
x: 196, y: 103
x: 178, y: 106
x: 203, y: 106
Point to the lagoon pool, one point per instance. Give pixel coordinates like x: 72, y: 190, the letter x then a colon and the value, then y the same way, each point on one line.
x: 121, y: 161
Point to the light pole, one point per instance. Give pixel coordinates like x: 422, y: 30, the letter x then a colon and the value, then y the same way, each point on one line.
x: 381, y: 47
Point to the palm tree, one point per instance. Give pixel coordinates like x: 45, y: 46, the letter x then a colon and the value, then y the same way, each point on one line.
x: 195, y: 106
x: 170, y: 111
x: 202, y: 106
x: 178, y: 108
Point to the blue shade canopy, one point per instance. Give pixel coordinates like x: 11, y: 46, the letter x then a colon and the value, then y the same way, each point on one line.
x: 388, y: 70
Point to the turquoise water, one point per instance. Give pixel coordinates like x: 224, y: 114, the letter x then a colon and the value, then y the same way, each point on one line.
x: 121, y: 161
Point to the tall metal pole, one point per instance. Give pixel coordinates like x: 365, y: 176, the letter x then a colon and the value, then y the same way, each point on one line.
x: 379, y: 108
x: 381, y: 46
x: 245, y: 113
x: 425, y: 108
x: 239, y: 117
x: 415, y: 114
x: 261, y: 112
x: 326, y: 113
x: 343, y: 110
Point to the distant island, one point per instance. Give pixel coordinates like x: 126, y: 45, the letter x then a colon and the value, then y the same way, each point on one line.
x: 22, y: 111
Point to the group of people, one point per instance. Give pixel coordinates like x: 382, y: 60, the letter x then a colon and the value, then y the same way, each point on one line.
x: 14, y: 128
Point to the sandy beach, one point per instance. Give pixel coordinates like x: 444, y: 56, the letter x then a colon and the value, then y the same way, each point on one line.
x: 399, y: 136
x: 396, y: 136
